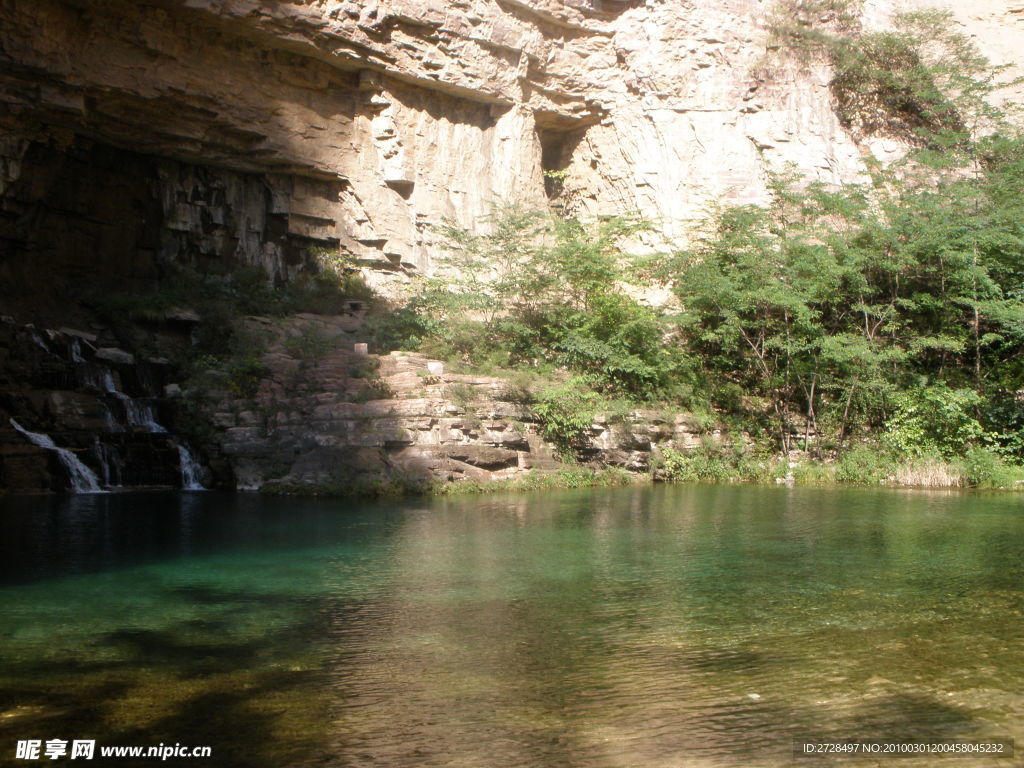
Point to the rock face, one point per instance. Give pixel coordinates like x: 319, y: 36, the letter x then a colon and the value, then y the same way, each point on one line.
x: 278, y: 124
x: 322, y: 416
x: 219, y: 134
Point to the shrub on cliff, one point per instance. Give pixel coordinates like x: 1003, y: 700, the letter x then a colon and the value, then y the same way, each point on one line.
x: 540, y: 292
x: 566, y: 413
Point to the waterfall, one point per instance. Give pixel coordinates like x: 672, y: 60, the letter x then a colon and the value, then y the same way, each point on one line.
x: 100, y: 377
x: 136, y: 414
x: 39, y: 342
x: 110, y: 462
x: 191, y: 470
x: 83, y: 479
x: 128, y: 447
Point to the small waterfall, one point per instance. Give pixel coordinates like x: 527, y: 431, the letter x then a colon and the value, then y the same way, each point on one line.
x: 100, y: 377
x: 191, y: 470
x: 39, y: 341
x: 115, y: 419
x: 138, y: 414
x: 110, y: 462
x: 83, y: 479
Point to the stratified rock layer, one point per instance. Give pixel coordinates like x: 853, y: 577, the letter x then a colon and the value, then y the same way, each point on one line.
x: 365, y: 123
x: 323, y: 415
x: 140, y: 134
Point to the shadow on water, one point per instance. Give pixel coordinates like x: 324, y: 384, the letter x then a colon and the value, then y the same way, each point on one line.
x: 912, y: 717
x: 50, y: 537
x: 257, y: 699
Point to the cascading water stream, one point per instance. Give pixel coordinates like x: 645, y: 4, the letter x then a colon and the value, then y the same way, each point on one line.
x: 137, y: 414
x: 124, y: 457
x: 109, y: 461
x: 83, y: 479
x: 75, y: 351
x: 191, y: 470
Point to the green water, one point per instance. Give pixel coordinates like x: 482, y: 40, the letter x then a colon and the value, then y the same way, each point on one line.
x: 678, y: 626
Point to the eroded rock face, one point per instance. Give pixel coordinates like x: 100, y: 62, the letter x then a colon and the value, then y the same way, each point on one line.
x: 137, y: 134
x: 368, y: 122
x: 323, y: 416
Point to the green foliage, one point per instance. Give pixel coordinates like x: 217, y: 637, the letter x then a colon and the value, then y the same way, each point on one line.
x: 921, y: 81
x: 544, y: 293
x: 714, y: 461
x: 329, y: 281
x: 391, y: 328
x: 189, y: 417
x: 244, y: 375
x: 935, y: 419
x: 862, y: 292
x: 373, y: 389
x: 309, y: 346
x: 325, y: 284
x: 462, y: 394
x: 566, y: 413
x: 1003, y: 419
x: 909, y: 83
x: 865, y: 464
x: 519, y: 388
x: 347, y: 482
x: 983, y: 468
x: 809, y: 26
x: 686, y: 467
x: 364, y: 368
x: 561, y: 479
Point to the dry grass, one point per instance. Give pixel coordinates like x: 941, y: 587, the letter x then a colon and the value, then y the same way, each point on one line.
x: 930, y: 472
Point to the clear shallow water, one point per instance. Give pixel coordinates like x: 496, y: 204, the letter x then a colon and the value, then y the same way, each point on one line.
x: 679, y: 626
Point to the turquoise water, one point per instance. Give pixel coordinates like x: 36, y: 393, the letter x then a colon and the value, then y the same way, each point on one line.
x: 668, y: 626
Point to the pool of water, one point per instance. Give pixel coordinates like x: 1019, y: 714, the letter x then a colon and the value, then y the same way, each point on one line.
x: 666, y: 626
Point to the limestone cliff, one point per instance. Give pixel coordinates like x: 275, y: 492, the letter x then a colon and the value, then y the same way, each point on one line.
x: 138, y: 134
x: 366, y: 122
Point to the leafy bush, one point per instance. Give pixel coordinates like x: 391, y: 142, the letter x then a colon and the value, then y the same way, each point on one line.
x: 462, y: 394
x: 922, y: 81
x: 983, y: 468
x: 364, y: 368
x: 373, y: 389
x: 537, y: 292
x: 865, y: 465
x: 244, y: 375
x: 713, y: 461
x: 809, y: 26
x: 566, y: 414
x: 563, y: 478
x: 935, y: 419
x: 519, y: 388
x: 1003, y: 418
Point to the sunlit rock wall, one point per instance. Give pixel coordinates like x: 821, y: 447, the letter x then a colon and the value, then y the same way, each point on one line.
x: 366, y: 123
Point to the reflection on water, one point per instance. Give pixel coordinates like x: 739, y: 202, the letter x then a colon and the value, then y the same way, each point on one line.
x: 685, y: 626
